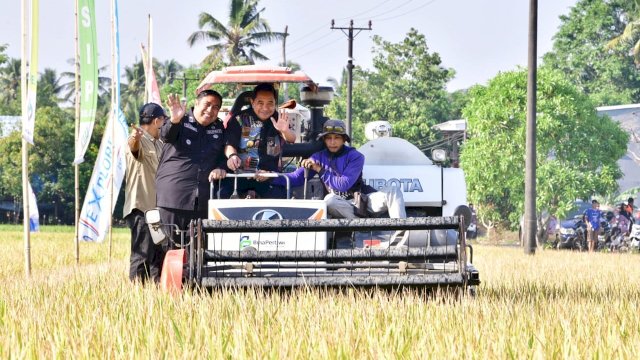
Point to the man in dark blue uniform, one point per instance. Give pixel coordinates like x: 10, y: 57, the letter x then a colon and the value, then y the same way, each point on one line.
x: 193, y: 155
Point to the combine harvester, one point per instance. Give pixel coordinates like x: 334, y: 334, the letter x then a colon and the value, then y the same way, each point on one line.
x: 290, y: 242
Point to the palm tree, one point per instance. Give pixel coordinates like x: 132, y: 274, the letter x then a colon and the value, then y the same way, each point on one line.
x: 49, y: 87
x: 166, y: 71
x: 235, y: 43
x: 3, y: 56
x: 133, y: 90
x: 10, y: 79
x: 68, y: 88
x: 631, y: 33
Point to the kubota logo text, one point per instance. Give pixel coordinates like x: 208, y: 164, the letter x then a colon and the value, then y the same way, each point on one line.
x: 405, y: 185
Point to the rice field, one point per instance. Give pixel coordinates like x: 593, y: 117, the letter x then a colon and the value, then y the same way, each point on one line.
x: 551, y: 305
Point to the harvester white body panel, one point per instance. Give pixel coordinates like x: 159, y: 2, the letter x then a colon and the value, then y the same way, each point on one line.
x: 267, y: 209
x: 396, y: 162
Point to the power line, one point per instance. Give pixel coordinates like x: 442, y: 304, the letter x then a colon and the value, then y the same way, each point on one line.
x: 323, y: 26
x: 364, y: 12
x: 311, y: 42
x: 320, y: 47
x: 408, y: 12
x: 374, y: 17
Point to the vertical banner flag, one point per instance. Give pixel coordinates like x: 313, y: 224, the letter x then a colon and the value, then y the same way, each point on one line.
x: 34, y: 215
x: 88, y: 75
x: 95, y: 217
x: 153, y: 93
x: 28, y: 124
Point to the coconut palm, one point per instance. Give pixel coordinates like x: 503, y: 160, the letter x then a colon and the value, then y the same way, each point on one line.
x: 3, y: 56
x: 166, y: 71
x: 10, y: 78
x: 133, y: 90
x: 49, y: 88
x: 235, y: 43
x: 68, y: 90
x: 631, y: 33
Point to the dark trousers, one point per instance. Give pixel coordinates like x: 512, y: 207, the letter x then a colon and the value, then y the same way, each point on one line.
x: 181, y: 218
x: 146, y: 257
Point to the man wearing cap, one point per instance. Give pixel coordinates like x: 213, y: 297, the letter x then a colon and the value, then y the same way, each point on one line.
x: 258, y: 134
x: 142, y: 154
x: 193, y: 156
x: 340, y: 169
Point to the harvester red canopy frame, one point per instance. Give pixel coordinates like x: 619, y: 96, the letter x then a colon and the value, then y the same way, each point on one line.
x: 254, y: 74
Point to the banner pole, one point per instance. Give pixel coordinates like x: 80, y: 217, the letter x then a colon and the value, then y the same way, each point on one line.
x: 77, y: 131
x: 25, y: 148
x: 114, y: 114
x: 149, y: 63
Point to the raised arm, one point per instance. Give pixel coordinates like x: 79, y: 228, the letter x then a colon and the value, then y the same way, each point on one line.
x: 282, y: 125
x: 170, y: 129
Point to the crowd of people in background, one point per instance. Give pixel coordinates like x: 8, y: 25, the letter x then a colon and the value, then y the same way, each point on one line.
x: 622, y: 217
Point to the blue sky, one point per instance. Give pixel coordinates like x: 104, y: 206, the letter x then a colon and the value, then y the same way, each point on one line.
x: 477, y: 38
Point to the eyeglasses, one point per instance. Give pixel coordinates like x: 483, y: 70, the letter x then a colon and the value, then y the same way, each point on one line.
x: 334, y: 128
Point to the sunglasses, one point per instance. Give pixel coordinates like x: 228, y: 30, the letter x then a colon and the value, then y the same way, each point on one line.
x: 333, y: 128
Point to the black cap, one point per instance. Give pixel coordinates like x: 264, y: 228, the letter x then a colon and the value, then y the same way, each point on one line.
x: 152, y: 111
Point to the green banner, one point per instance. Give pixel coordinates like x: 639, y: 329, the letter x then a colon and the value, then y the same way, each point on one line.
x: 87, y: 48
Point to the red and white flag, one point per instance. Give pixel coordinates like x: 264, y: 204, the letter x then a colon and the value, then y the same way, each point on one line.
x: 151, y: 85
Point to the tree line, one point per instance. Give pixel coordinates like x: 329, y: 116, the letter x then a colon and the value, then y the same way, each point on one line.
x: 590, y: 65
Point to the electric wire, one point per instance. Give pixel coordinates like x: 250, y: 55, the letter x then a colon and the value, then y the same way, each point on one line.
x: 326, y: 26
x: 405, y: 13
x: 320, y: 47
x: 364, y: 12
x: 392, y: 10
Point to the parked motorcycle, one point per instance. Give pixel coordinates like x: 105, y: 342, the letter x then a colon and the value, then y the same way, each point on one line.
x: 617, y: 238
x: 608, y: 229
x: 573, y: 235
x: 634, y: 238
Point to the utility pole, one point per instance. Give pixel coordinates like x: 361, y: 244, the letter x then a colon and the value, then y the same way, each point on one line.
x: 284, y: 61
x: 530, y: 162
x: 184, y: 85
x: 350, y: 36
x: 185, y: 79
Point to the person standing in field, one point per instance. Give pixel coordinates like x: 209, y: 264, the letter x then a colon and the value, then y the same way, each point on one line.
x: 193, y: 156
x: 142, y: 154
x: 592, y: 218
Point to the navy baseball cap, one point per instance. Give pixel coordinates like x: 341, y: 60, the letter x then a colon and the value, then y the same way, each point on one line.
x: 152, y: 111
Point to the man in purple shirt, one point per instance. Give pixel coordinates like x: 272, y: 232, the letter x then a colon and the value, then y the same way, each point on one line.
x: 592, y: 218
x: 339, y: 167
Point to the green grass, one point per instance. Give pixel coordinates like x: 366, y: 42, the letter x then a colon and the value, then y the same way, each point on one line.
x: 551, y: 305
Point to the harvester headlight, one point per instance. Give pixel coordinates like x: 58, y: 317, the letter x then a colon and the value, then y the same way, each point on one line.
x: 152, y: 217
x: 439, y: 155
